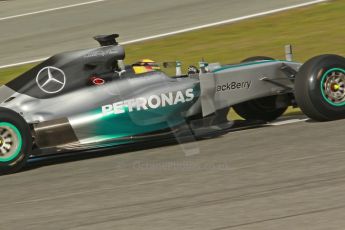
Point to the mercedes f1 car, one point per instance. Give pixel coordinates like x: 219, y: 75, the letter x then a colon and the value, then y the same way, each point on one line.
x: 88, y: 99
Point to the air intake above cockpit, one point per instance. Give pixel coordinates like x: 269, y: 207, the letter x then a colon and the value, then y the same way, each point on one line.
x: 107, y: 40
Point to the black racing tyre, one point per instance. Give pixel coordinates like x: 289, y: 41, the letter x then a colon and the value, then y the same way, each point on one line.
x: 264, y: 109
x: 257, y: 58
x: 15, y: 141
x: 320, y: 88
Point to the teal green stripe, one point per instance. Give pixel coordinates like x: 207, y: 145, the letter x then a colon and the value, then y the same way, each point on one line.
x: 248, y: 64
x: 322, y: 83
x: 10, y: 158
x: 242, y: 64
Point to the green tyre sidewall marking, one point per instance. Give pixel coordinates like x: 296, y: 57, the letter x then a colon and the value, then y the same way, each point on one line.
x: 324, y: 77
x: 20, y: 140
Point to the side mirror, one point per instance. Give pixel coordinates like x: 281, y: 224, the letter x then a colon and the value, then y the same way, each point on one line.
x: 288, y: 53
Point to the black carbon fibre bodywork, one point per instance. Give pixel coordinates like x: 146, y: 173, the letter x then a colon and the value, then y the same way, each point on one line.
x: 54, y: 133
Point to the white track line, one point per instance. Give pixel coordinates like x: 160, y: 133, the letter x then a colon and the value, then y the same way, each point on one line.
x: 52, y: 9
x: 23, y: 63
x: 174, y: 32
x: 278, y: 123
x: 226, y: 21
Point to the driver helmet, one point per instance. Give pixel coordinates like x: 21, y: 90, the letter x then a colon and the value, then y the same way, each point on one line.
x: 145, y: 65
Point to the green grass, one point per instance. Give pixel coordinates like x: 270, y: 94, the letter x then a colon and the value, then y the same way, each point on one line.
x: 311, y: 30
x: 9, y: 73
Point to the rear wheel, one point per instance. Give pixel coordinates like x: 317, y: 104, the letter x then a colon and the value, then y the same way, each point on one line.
x: 320, y: 88
x: 257, y: 58
x: 15, y: 141
x: 266, y: 108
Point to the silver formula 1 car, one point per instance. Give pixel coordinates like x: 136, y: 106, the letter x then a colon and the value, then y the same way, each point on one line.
x: 88, y: 99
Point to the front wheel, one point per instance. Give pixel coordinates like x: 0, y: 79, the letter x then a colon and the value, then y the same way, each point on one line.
x: 320, y: 88
x: 15, y: 141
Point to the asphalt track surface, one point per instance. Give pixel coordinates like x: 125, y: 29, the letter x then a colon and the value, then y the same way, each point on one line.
x: 44, y: 34
x: 276, y: 177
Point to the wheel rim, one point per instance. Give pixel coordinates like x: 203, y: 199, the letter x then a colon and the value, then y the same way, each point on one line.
x: 333, y: 86
x: 10, y: 142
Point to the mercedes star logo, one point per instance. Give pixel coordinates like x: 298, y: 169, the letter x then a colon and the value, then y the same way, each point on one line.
x: 51, y: 79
